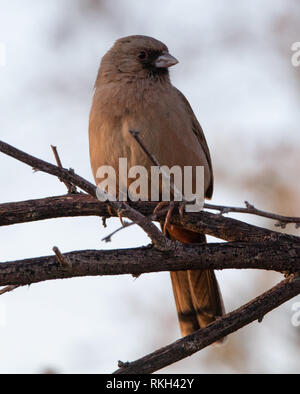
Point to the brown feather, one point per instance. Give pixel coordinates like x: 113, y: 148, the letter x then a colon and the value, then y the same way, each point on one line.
x: 197, y: 295
x: 197, y: 129
x: 131, y: 94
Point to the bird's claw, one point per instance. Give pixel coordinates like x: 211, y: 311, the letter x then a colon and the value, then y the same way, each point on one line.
x: 119, y: 213
x: 181, y: 208
x: 109, y: 210
x: 121, y: 218
x: 159, y: 207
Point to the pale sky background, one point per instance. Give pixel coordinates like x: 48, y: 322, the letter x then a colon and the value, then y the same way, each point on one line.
x: 235, y: 69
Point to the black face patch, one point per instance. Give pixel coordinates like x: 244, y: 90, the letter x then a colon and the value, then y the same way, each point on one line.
x: 148, y: 59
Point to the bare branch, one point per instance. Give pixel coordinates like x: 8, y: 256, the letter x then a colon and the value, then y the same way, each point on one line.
x: 248, y: 247
x: 220, y: 328
x: 153, y: 159
x: 189, y: 221
x: 107, y: 238
x: 158, y: 238
x: 135, y: 135
x: 281, y: 257
x: 71, y: 188
x: 8, y: 289
x: 121, y: 208
x: 63, y: 260
x: 250, y: 209
x: 41, y: 165
x: 83, y: 205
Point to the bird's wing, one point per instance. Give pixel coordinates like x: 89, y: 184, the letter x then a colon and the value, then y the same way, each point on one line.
x: 197, y: 130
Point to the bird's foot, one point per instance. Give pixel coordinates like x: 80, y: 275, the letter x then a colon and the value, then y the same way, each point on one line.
x: 121, y: 219
x: 109, y: 210
x: 159, y: 207
x: 181, y: 209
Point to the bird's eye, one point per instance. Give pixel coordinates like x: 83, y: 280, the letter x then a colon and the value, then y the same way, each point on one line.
x: 142, y: 55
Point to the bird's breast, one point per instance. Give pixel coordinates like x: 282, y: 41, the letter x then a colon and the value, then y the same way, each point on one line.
x: 164, y: 125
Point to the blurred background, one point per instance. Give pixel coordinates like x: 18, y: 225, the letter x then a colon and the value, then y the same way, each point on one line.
x: 235, y: 69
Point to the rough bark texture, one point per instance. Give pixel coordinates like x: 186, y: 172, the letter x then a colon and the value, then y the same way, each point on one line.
x: 271, y: 256
x: 248, y: 246
x: 84, y: 205
x: 254, y: 310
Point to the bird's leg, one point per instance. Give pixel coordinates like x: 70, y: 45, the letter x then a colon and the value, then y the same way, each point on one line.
x: 168, y: 217
x: 121, y: 218
x: 119, y: 213
x: 181, y: 208
x: 109, y: 210
x: 159, y: 207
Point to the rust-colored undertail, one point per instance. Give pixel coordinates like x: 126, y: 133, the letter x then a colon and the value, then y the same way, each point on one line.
x: 197, y: 294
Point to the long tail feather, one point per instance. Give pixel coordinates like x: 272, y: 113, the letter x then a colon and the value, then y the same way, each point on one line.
x: 197, y: 295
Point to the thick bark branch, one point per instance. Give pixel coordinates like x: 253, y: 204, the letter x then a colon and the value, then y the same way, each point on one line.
x: 69, y: 176
x: 248, y: 247
x: 83, y: 205
x: 270, y: 256
x: 189, y: 221
x: 254, y: 310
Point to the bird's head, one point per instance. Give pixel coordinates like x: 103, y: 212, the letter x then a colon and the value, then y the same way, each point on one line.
x: 136, y: 57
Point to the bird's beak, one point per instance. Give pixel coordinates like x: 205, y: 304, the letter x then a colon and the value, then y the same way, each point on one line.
x: 165, y: 60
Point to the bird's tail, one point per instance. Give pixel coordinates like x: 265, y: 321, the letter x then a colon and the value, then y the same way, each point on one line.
x: 197, y: 294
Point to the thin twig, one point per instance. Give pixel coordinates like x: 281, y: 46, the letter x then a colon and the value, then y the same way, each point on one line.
x: 282, y: 220
x: 250, y: 209
x: 153, y: 216
x: 135, y: 135
x: 8, y: 288
x: 70, y: 187
x: 122, y: 208
x: 63, y: 260
x: 41, y: 165
x: 108, y: 237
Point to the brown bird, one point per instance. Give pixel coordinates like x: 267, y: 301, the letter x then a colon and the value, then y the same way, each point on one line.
x: 133, y: 92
